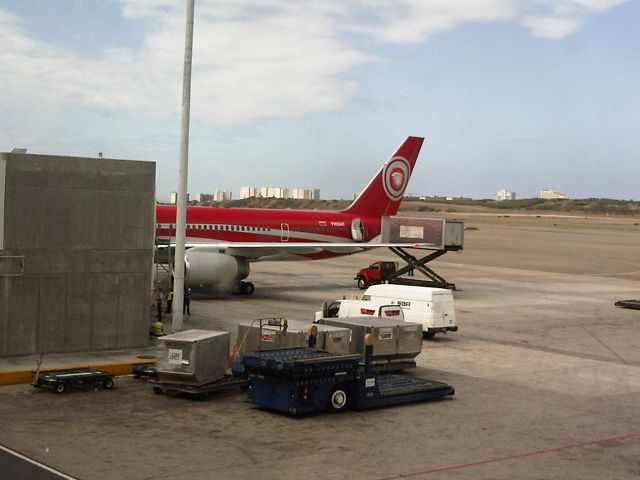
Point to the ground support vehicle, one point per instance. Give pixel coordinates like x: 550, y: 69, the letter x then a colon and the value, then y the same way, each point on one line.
x: 377, y: 272
x: 634, y: 304
x: 60, y: 380
x: 431, y: 307
x: 198, y: 391
x: 303, y: 380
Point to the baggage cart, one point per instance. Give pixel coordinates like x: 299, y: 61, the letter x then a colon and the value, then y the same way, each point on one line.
x: 60, y: 380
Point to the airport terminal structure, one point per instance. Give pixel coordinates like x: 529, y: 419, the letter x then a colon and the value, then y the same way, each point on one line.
x: 76, y: 253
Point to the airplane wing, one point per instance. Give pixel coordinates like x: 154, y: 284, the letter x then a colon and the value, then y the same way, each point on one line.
x: 256, y: 251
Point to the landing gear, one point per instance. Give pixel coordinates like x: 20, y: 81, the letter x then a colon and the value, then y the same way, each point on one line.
x: 243, y: 288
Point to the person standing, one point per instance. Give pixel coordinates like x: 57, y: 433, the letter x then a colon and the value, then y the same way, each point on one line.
x: 159, y: 299
x: 187, y: 301
x: 169, y: 300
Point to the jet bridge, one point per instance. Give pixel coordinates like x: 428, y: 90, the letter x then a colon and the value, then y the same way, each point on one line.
x: 436, y: 236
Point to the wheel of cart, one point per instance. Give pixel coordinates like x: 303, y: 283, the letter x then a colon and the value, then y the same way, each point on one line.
x: 339, y: 399
x: 60, y: 388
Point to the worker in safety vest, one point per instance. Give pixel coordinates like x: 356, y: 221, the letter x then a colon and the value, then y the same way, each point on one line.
x: 157, y: 329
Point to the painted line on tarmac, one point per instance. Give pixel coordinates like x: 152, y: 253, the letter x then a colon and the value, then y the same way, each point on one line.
x: 604, y: 345
x: 513, y: 457
x: 27, y: 471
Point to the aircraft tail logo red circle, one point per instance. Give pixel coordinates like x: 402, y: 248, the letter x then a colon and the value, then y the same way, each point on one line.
x: 395, y: 177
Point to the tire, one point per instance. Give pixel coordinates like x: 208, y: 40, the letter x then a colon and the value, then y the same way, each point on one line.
x: 428, y: 334
x: 157, y: 390
x: 108, y: 383
x: 338, y: 400
x: 248, y: 288
x: 362, y: 284
x: 60, y: 388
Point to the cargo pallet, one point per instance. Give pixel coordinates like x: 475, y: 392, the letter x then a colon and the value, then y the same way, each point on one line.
x: 302, y: 380
x: 198, y: 391
x: 60, y: 380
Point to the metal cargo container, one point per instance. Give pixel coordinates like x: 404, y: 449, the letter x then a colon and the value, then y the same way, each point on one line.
x: 268, y: 334
x: 330, y: 338
x: 393, y: 339
x: 439, y: 234
x: 253, y: 337
x: 193, y: 357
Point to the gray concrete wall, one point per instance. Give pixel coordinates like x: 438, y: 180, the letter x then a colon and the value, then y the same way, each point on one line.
x: 76, y: 253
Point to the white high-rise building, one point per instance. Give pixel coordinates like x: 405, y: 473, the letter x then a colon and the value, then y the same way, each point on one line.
x: 204, y: 197
x: 274, y: 192
x: 547, y: 194
x: 173, y: 199
x: 305, y: 194
x: 506, y: 195
x: 248, y: 192
x: 222, y: 196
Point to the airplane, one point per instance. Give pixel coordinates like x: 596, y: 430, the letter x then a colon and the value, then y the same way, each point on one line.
x: 222, y: 242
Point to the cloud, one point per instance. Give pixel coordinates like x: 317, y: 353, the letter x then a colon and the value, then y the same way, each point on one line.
x: 253, y: 59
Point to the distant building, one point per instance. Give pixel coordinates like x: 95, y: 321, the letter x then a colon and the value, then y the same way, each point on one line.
x: 305, y: 194
x: 274, y: 192
x: 204, y: 197
x: 506, y: 195
x: 222, y: 196
x: 248, y: 192
x: 546, y: 194
x: 174, y: 198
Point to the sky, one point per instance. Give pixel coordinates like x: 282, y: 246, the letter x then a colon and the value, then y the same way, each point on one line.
x: 509, y: 94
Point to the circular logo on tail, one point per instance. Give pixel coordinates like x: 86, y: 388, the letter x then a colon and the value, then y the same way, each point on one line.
x: 395, y: 177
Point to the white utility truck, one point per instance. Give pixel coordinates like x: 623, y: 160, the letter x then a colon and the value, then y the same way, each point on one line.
x: 359, y: 308
x: 431, y: 307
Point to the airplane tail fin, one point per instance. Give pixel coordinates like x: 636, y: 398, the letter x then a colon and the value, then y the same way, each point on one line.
x: 384, y: 193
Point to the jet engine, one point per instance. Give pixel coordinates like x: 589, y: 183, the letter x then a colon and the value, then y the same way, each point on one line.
x: 212, y: 268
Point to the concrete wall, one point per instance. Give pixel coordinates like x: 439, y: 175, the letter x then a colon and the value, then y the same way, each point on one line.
x: 76, y: 247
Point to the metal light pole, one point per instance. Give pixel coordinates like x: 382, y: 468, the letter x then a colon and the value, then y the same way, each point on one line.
x: 181, y: 210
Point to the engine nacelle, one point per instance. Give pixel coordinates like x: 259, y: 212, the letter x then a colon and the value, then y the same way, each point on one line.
x: 211, y: 268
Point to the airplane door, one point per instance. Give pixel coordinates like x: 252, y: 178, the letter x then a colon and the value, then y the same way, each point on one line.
x: 357, y: 230
x: 284, y: 232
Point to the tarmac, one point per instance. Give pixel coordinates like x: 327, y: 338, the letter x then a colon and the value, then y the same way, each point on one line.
x: 546, y: 371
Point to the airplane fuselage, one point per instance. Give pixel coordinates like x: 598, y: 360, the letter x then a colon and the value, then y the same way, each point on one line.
x: 254, y: 225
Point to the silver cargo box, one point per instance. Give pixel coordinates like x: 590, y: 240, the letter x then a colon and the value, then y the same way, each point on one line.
x: 393, y: 339
x: 193, y: 357
x: 330, y: 338
x: 251, y: 338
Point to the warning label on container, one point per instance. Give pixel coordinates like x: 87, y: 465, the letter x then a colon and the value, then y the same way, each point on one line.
x: 175, y: 356
x: 268, y: 336
x: 385, y: 333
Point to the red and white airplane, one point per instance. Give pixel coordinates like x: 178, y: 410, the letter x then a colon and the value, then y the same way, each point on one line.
x: 222, y: 242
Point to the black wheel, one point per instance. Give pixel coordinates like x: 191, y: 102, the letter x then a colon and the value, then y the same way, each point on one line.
x: 428, y: 334
x: 338, y: 399
x: 157, y: 390
x: 248, y: 288
x: 108, y: 383
x: 60, y: 388
x: 238, y: 288
x: 362, y: 284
